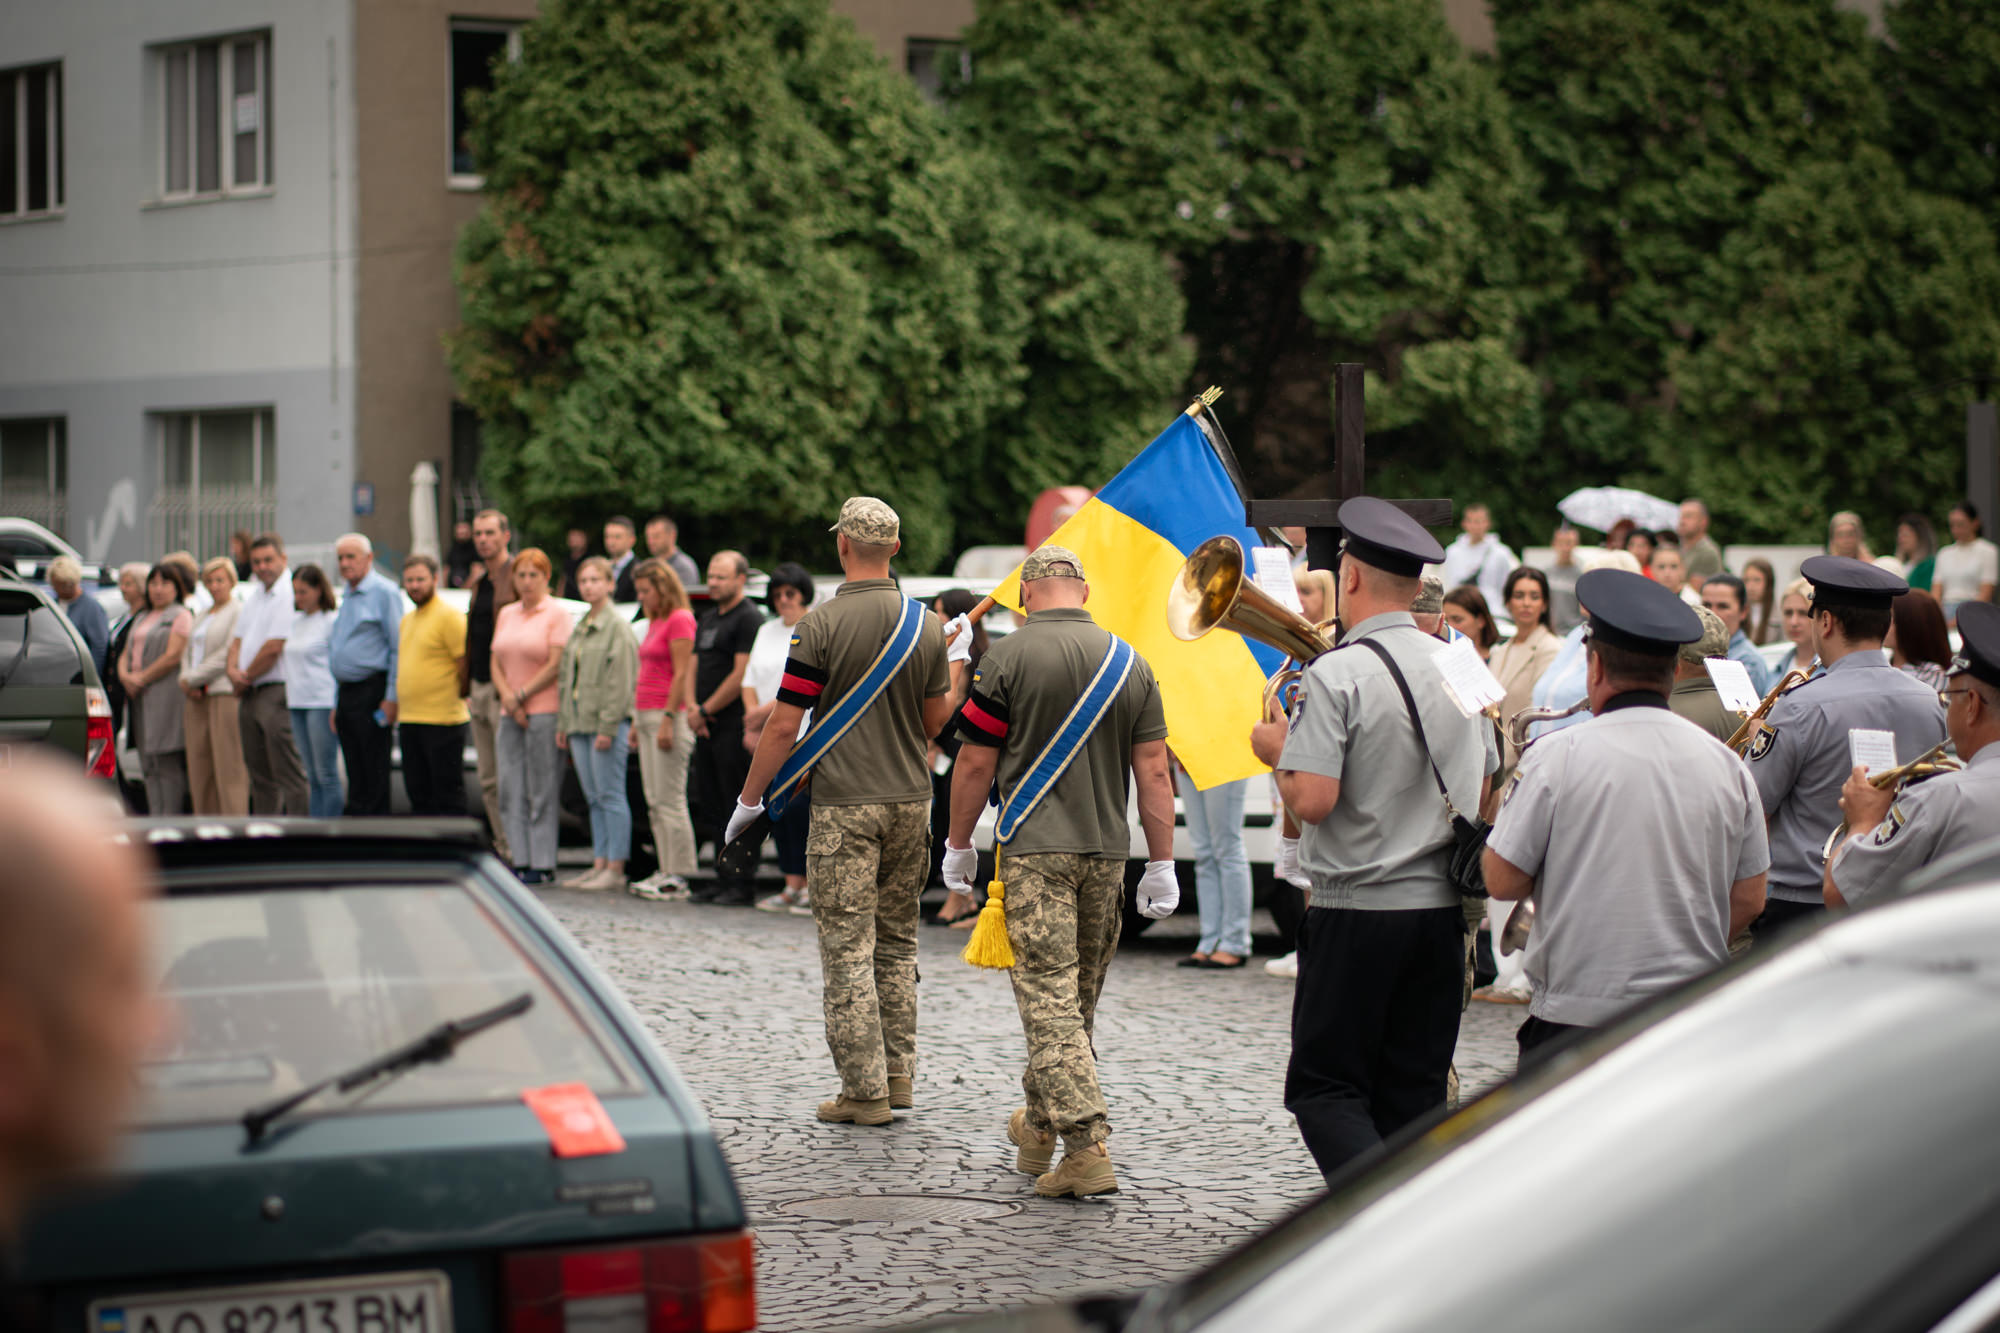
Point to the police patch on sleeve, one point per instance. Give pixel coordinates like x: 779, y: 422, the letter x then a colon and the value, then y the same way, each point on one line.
x: 1298, y: 711
x: 1760, y: 744
x: 1889, y: 827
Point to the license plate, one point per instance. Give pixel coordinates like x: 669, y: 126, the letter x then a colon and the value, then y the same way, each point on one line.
x: 369, y: 1303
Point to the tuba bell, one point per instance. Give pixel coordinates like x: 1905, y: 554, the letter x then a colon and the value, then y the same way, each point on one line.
x: 1214, y: 591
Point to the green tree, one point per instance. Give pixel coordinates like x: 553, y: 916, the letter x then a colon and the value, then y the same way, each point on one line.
x: 1941, y: 68
x: 1334, y: 181
x: 732, y: 263
x: 1855, y: 302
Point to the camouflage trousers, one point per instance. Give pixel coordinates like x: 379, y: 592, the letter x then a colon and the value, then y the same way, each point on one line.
x: 1064, y: 911
x: 865, y: 868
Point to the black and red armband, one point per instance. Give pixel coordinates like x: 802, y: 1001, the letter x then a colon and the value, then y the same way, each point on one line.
x: 801, y: 684
x: 982, y: 721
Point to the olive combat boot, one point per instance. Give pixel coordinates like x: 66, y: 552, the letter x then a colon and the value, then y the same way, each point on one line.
x: 846, y: 1110
x: 1081, y: 1173
x: 902, y: 1093
x: 1037, y: 1151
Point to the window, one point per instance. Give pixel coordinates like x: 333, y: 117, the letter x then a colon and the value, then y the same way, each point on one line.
x: 467, y: 443
x: 928, y: 60
x: 38, y: 649
x: 218, y: 472
x: 34, y: 471
x: 31, y: 147
x: 216, y: 116
x: 475, y: 45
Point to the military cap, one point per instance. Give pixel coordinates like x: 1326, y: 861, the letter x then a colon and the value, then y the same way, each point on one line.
x: 1714, y: 640
x: 866, y: 519
x: 1430, y: 597
x: 1979, y: 642
x: 1382, y: 535
x: 1051, y: 562
x: 1839, y: 581
x: 1631, y: 611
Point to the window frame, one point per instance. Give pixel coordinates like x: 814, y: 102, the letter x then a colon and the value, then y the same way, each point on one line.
x: 55, y: 515
x: 509, y: 28
x: 57, y: 182
x: 935, y: 47
x: 187, y: 496
x: 226, y: 94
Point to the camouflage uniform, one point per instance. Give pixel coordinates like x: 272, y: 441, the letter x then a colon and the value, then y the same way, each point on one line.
x: 866, y: 866
x: 1063, y: 915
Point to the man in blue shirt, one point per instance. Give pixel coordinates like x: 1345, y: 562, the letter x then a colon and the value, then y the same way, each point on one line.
x: 66, y: 582
x: 361, y: 652
x: 1723, y: 594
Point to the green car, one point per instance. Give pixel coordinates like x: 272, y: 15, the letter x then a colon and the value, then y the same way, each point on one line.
x: 50, y: 693
x: 396, y: 1099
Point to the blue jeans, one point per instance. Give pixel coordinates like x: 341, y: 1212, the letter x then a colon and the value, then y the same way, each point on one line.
x: 319, y: 750
x: 602, y: 773
x: 1221, y: 867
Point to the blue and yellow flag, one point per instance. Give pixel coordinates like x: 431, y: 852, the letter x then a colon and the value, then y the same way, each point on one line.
x: 1133, y: 536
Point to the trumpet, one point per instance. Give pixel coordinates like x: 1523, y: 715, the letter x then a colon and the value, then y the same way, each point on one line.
x: 1514, y: 935
x: 1213, y: 591
x: 1926, y: 765
x: 1741, y: 738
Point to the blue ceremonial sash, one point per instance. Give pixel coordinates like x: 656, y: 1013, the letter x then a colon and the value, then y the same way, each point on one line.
x: 833, y: 723
x: 1069, y: 740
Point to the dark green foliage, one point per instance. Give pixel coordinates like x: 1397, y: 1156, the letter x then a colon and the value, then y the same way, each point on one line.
x: 1941, y: 68
x: 733, y: 265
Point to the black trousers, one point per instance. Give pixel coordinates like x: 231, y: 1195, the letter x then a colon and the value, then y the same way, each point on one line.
x: 1537, y: 1039
x: 1779, y: 918
x: 1374, y: 1024
x: 434, y: 767
x: 719, y: 766
x: 364, y: 743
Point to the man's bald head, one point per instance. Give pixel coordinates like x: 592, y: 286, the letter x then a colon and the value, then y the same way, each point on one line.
x: 75, y: 1006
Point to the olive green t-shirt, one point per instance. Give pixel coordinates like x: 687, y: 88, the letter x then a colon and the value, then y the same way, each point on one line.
x: 1025, y: 687
x: 880, y: 761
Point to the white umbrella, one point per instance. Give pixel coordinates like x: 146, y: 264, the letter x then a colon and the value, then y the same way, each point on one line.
x: 424, y: 511
x: 1601, y: 507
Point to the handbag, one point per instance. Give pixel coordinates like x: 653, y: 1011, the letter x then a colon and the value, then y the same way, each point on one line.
x: 1468, y: 836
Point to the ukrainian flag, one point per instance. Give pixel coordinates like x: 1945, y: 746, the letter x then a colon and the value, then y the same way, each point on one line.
x: 1133, y: 536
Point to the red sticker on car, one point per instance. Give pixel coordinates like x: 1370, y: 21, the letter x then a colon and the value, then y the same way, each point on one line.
x: 577, y: 1123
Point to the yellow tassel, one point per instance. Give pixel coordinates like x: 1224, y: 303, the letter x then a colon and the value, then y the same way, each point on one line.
x: 988, y: 946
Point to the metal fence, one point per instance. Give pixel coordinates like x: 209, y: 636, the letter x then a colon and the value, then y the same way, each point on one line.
x: 201, y: 521
x: 37, y: 504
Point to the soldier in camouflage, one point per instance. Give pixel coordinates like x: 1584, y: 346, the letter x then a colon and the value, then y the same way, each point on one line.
x: 1064, y: 867
x: 868, y: 847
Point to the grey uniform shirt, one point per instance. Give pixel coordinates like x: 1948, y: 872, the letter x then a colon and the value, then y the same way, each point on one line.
x: 1933, y: 818
x: 1802, y: 757
x: 1634, y: 826
x: 1386, y: 845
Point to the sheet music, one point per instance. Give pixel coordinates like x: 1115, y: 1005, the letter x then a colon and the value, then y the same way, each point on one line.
x: 1873, y: 750
x: 1466, y: 678
x: 1732, y: 682
x: 1271, y: 567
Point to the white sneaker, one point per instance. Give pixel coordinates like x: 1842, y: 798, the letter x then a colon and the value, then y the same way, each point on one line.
x: 596, y: 878
x: 802, y: 906
x: 781, y: 901
x: 1288, y: 966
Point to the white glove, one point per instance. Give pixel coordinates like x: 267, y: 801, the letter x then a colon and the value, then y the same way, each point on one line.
x: 958, y: 639
x: 1159, y: 890
x: 745, y: 816
x: 961, y: 864
x: 1286, y: 866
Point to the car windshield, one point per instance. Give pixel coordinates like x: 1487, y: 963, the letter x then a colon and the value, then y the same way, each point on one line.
x: 273, y: 991
x: 35, y: 646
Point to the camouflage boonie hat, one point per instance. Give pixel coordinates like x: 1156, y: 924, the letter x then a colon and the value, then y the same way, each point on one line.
x: 1051, y: 562
x: 866, y: 519
x: 1430, y: 597
x: 1714, y: 640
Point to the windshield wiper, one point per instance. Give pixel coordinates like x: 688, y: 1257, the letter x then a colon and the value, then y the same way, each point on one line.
x: 432, y: 1047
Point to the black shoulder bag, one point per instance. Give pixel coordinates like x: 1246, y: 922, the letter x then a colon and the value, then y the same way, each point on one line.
x: 1468, y: 836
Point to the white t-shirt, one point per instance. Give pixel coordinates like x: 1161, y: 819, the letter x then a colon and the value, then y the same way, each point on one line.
x: 1960, y: 570
x: 267, y: 614
x: 767, y: 663
x: 308, y: 678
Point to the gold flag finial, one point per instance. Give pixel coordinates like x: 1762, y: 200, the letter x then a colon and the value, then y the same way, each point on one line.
x: 1206, y: 398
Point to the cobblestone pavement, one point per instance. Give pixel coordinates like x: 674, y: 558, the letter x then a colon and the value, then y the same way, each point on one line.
x: 876, y: 1227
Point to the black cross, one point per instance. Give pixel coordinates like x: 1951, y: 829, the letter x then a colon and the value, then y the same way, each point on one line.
x: 1320, y: 517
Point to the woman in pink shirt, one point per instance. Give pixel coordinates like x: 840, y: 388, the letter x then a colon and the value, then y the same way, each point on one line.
x: 662, y: 737
x: 528, y: 639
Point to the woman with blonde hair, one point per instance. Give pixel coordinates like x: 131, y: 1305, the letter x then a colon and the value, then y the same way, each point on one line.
x: 1795, y: 614
x: 600, y: 667
x: 528, y: 639
x: 218, y: 779
x: 1845, y: 536
x: 661, y: 698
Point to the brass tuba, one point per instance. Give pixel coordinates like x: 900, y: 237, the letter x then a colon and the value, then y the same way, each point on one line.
x: 1514, y: 935
x: 1214, y: 590
x: 1926, y: 765
x: 1741, y: 738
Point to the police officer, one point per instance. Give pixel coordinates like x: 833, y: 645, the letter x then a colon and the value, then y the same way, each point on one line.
x: 1381, y: 950
x: 1063, y: 866
x: 1800, y: 755
x: 1639, y: 884
x: 1891, y: 836
x: 868, y: 846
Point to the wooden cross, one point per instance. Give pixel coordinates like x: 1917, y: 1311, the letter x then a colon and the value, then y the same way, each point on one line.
x: 1320, y: 517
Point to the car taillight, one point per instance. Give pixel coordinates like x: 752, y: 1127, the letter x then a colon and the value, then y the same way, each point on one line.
x: 99, y: 742
x: 703, y: 1284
